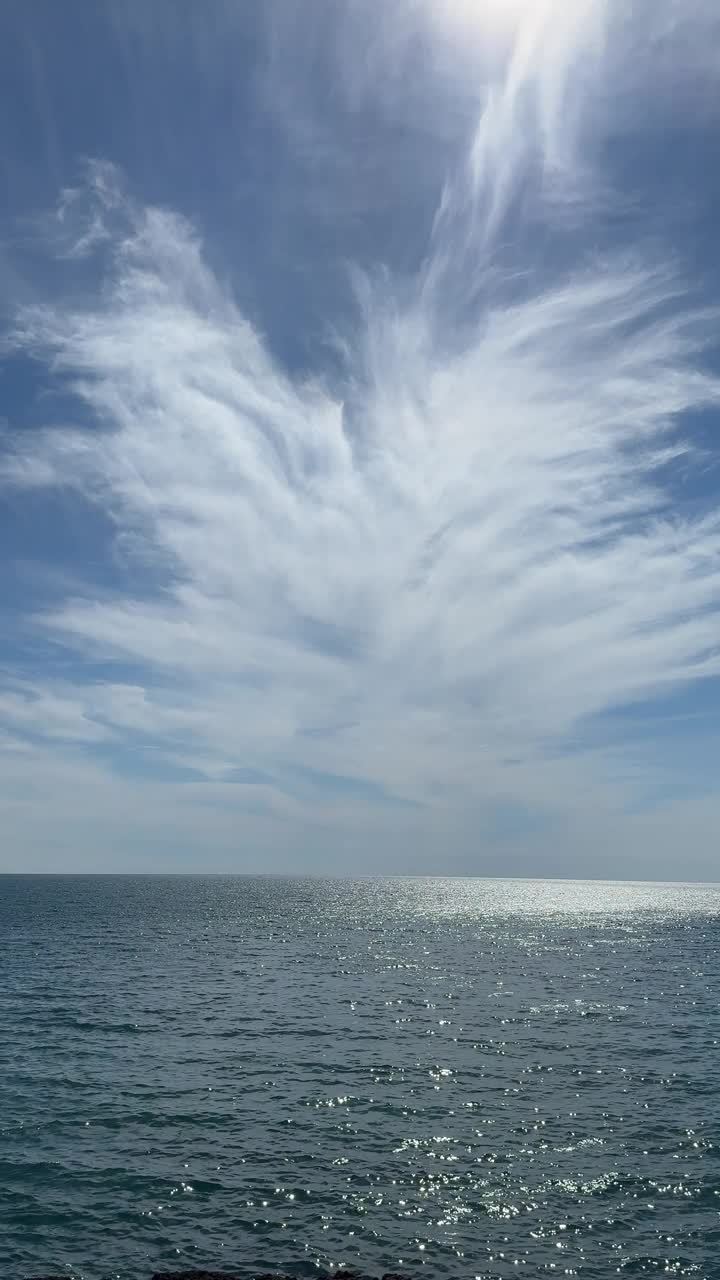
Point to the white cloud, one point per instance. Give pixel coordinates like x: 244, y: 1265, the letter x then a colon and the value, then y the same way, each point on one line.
x: 427, y: 577
x: 43, y: 713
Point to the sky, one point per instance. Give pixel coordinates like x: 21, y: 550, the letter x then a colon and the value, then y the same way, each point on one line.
x: 359, y: 387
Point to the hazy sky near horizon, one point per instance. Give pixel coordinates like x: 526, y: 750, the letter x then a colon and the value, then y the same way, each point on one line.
x: 360, y: 378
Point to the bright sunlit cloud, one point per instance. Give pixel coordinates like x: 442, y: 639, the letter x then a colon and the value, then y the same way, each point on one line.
x: 488, y: 16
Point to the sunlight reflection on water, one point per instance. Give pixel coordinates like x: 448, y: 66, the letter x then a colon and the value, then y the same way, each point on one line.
x: 494, y: 1078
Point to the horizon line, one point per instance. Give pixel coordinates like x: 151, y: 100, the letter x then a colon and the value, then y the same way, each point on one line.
x: 310, y: 875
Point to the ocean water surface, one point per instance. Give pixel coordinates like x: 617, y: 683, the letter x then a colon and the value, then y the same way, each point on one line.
x: 466, y: 1078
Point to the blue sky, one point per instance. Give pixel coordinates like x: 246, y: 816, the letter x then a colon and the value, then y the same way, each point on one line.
x: 358, y: 468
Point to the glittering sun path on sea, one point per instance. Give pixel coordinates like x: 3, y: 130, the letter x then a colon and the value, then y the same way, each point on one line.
x: 478, y: 1078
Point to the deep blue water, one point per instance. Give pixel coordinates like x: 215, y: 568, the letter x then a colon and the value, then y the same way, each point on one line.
x: 470, y: 1077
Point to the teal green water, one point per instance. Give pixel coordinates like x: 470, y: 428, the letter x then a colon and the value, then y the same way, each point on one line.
x: 464, y: 1078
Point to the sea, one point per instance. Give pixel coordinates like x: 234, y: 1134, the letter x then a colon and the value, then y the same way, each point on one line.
x: 441, y: 1077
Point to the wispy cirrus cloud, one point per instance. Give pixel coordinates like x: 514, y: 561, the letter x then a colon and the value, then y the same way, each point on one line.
x: 393, y: 597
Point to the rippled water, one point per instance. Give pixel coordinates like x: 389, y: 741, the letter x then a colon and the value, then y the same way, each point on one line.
x: 477, y: 1078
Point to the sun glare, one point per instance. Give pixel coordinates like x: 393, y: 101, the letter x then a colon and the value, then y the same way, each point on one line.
x: 485, y: 17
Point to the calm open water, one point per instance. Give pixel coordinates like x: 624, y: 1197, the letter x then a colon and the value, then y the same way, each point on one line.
x: 470, y: 1077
